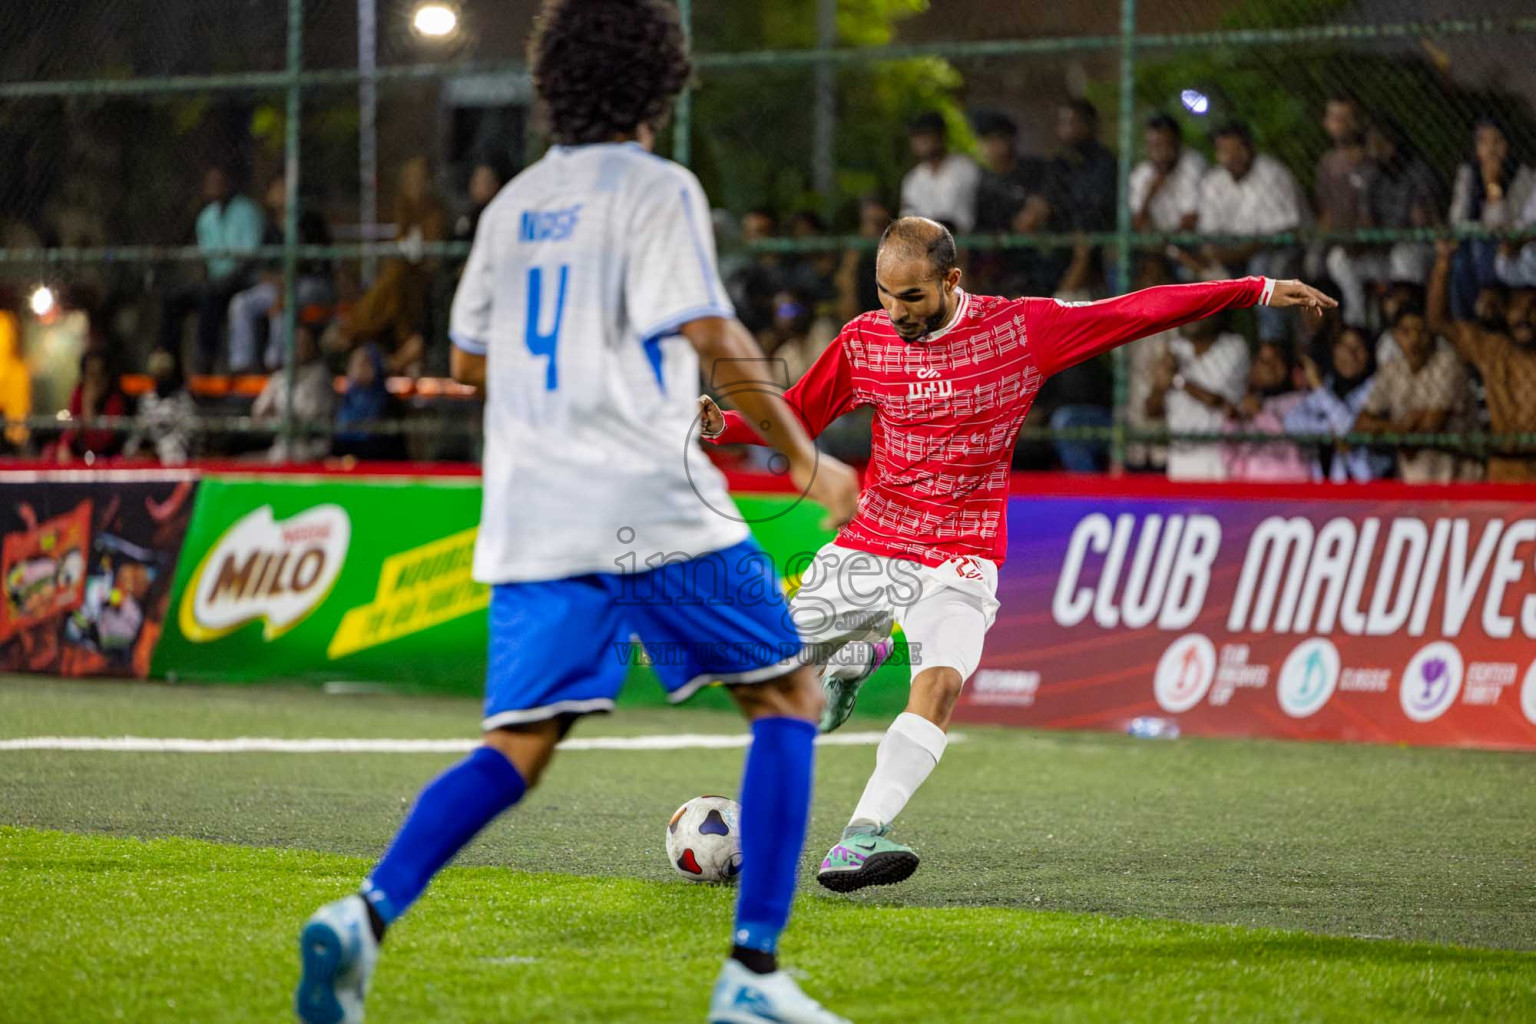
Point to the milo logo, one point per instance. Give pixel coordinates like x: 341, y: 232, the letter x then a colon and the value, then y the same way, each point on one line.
x: 263, y: 568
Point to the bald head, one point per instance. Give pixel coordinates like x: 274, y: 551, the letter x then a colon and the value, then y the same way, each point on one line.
x: 918, y: 238
x: 916, y: 274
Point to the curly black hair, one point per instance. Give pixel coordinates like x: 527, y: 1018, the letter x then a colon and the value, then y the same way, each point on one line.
x: 603, y: 68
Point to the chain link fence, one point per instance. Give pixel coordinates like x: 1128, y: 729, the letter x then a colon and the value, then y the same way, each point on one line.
x: 234, y: 230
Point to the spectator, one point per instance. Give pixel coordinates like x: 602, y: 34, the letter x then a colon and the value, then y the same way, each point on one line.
x: 753, y: 279
x: 1516, y: 266
x: 1085, y: 174
x: 1165, y: 186
x: 1014, y: 196
x: 393, y: 312
x: 490, y: 173
x: 314, y: 403
x: 1398, y: 295
x: 1424, y: 391
x: 797, y: 336
x: 856, y: 289
x: 1504, y: 352
x: 165, y: 415
x: 1247, y: 193
x: 15, y: 382
x: 365, y: 401
x: 943, y: 185
x: 1081, y: 397
x: 810, y: 273
x: 228, y: 221
x: 96, y: 394
x: 263, y: 301
x: 1332, y: 405
x: 1272, y: 396
x: 1401, y: 194
x: 1341, y: 191
x: 1196, y: 388
x: 1344, y: 173
x: 1008, y: 180
x: 1491, y: 191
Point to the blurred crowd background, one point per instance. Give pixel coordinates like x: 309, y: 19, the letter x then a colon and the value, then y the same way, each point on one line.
x: 1383, y: 150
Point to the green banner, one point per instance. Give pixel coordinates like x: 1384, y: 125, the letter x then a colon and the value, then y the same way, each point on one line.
x: 324, y: 580
x: 321, y: 580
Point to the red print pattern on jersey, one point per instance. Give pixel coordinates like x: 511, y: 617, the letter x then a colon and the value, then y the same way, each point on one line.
x: 948, y: 408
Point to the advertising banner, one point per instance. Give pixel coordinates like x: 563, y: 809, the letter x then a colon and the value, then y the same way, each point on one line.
x: 87, y: 560
x: 330, y: 580
x: 346, y: 581
x: 1403, y: 618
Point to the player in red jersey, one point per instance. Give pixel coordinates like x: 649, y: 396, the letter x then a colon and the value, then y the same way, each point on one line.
x: 951, y: 376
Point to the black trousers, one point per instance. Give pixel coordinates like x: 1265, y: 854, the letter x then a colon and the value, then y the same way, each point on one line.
x: 210, y: 301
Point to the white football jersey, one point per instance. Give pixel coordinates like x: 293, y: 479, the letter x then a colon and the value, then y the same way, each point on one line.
x: 581, y: 272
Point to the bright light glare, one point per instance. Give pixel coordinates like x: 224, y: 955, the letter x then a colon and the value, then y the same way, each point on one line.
x: 42, y: 301
x: 1195, y: 101
x: 435, y: 20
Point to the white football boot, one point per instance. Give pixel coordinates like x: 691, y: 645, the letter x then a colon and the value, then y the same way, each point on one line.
x: 338, y: 953
x: 744, y: 997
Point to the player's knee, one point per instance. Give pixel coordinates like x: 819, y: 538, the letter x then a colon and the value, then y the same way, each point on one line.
x: 939, y: 686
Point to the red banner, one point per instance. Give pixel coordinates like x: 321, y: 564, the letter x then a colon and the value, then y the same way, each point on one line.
x: 88, y: 558
x: 1380, y: 614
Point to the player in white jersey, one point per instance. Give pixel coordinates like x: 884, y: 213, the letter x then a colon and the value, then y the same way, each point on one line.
x: 589, y: 300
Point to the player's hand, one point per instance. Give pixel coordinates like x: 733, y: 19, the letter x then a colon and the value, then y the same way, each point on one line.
x: 832, y: 484
x: 711, y: 419
x: 1294, y: 293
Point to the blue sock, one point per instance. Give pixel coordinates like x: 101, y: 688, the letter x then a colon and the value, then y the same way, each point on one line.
x: 775, y: 806
x: 453, y: 808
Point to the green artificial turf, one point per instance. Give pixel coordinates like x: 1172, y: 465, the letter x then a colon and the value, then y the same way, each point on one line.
x: 100, y: 929
x: 1064, y: 876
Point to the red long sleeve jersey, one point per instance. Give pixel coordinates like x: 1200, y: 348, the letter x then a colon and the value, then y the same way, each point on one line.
x: 948, y: 408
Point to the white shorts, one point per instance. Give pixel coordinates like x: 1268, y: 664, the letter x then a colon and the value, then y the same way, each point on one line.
x: 945, y: 611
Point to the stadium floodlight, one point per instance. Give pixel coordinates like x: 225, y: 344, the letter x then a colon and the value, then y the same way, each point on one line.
x: 1196, y: 102
x: 42, y: 302
x: 435, y: 20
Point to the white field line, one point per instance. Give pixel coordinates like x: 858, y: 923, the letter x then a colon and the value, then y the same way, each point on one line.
x: 273, y: 745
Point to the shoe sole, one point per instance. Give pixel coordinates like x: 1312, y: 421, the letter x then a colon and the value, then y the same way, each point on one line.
x: 320, y: 949
x: 885, y: 868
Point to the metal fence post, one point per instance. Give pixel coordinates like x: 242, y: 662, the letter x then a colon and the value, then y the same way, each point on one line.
x: 368, y: 126
x: 823, y: 165
x: 291, y: 136
x: 1123, y: 216
x: 682, y: 115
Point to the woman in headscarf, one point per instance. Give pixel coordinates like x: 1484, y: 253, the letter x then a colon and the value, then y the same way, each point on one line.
x: 1332, y: 404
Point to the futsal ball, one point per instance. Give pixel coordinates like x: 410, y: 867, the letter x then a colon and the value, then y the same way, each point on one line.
x: 704, y: 839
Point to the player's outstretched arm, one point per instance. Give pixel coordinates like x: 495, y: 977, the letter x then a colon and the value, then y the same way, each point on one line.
x: 728, y: 356
x: 1071, y: 333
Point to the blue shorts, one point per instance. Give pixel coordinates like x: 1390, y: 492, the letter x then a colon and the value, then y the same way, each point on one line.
x: 565, y: 646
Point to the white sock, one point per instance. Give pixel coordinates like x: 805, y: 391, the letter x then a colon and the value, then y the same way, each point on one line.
x: 909, y: 751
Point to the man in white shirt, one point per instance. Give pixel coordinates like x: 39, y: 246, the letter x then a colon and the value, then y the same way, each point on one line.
x: 1165, y: 186
x: 942, y: 186
x: 1196, y: 388
x: 588, y: 306
x: 1247, y: 193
